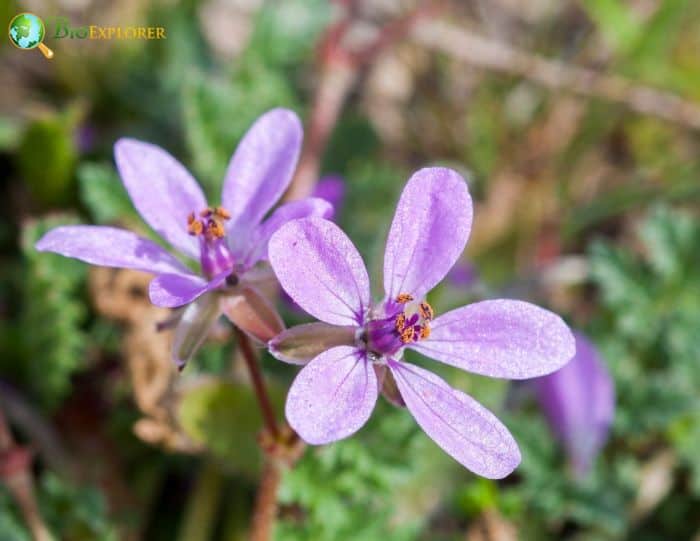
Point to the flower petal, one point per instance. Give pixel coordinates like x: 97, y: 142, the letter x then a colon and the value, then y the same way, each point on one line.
x: 429, y: 231
x: 332, y: 189
x: 262, y: 167
x: 579, y: 403
x: 258, y: 241
x: 302, y: 343
x: 173, y: 290
x: 319, y: 267
x: 110, y: 247
x: 465, y: 430
x: 162, y: 190
x: 333, y: 396
x: 251, y: 312
x: 193, y: 328
x: 500, y: 338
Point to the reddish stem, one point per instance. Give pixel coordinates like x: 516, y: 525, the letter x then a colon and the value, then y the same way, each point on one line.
x: 256, y: 377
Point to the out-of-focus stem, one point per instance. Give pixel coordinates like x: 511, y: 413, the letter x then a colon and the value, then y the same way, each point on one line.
x: 202, y: 506
x: 471, y: 48
x: 340, y: 69
x: 265, y: 513
x: 15, y: 472
x: 336, y: 81
x: 258, y: 382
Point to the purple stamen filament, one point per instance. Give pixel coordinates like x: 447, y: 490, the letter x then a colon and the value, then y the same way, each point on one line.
x: 215, y: 256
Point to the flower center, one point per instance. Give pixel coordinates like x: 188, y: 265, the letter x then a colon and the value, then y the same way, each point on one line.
x: 404, y: 321
x: 215, y: 256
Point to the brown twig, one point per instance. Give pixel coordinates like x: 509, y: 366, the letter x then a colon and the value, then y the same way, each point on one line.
x: 479, y: 51
x: 15, y: 472
x: 340, y: 68
x: 256, y: 377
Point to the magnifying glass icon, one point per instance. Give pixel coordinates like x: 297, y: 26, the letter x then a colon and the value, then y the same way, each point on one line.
x: 27, y: 31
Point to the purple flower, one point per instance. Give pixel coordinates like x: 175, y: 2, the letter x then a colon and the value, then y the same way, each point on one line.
x: 463, y: 275
x: 579, y: 404
x: 356, y: 349
x: 228, y: 241
x: 331, y: 188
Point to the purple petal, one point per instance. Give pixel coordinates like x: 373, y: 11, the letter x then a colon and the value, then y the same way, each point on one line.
x: 579, y: 403
x: 302, y: 343
x: 262, y: 167
x: 319, y: 267
x: 464, y: 429
x: 173, y: 290
x: 500, y: 338
x: 332, y: 189
x: 333, y: 396
x: 162, y: 190
x: 463, y: 275
x: 430, y: 229
x: 110, y: 247
x: 305, y: 208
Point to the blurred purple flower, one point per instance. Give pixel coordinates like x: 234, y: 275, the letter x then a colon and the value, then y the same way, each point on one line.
x: 228, y: 241
x: 356, y: 348
x: 332, y: 189
x: 579, y: 404
x: 463, y: 274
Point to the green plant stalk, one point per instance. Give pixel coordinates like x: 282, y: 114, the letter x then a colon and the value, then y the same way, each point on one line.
x: 202, y: 506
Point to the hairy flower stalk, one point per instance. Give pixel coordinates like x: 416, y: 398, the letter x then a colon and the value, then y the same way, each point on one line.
x: 356, y: 349
x: 228, y: 241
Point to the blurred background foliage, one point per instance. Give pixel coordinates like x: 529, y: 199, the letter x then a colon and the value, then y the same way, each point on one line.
x: 582, y: 205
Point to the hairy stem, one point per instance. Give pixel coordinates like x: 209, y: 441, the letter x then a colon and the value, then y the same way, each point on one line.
x: 265, y: 511
x: 258, y: 382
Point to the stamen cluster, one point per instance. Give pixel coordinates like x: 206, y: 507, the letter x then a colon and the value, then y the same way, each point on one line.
x: 211, y: 225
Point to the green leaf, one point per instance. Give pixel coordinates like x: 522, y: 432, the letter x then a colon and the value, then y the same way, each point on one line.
x: 52, y: 316
x: 224, y: 417
x: 46, y: 159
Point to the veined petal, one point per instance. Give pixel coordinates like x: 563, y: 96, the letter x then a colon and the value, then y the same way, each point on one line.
x: 162, y: 190
x: 320, y: 269
x: 302, y: 343
x: 500, y: 338
x: 173, y: 290
x: 262, y: 167
x: 430, y: 229
x: 333, y: 396
x: 464, y: 429
x: 193, y: 328
x: 304, y: 208
x: 110, y: 247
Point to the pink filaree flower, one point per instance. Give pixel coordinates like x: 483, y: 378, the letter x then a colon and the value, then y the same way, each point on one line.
x: 356, y: 349
x: 228, y: 240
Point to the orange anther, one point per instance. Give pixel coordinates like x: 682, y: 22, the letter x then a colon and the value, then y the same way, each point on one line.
x: 424, y: 332
x: 194, y: 227
x: 222, y: 213
x: 407, y: 335
x: 426, y: 311
x: 400, y: 322
x: 403, y: 298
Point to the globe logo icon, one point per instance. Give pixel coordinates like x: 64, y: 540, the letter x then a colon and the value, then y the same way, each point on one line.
x: 27, y: 31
